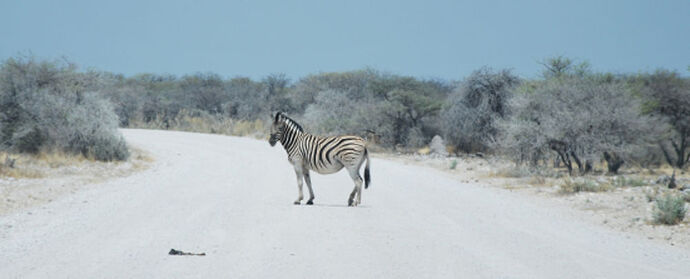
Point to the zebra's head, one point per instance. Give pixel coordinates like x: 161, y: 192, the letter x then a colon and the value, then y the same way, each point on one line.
x: 276, y: 129
x: 283, y: 126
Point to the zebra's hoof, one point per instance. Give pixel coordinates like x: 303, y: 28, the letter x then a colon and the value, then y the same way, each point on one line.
x: 310, y: 202
x: 349, y: 203
x: 297, y: 203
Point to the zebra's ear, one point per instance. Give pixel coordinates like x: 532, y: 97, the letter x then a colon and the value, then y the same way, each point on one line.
x: 277, y: 117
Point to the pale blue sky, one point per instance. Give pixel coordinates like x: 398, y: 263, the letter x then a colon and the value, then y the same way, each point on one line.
x: 429, y: 39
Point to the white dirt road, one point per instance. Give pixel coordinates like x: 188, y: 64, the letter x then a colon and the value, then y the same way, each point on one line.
x: 232, y: 199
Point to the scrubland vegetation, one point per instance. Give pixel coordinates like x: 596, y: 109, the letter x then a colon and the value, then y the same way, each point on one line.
x: 571, y: 116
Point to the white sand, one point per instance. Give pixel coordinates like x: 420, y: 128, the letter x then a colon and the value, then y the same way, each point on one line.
x: 232, y: 199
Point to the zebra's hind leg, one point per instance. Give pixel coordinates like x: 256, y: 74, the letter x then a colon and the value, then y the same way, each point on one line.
x: 300, y: 175
x: 307, y: 179
x: 357, y: 191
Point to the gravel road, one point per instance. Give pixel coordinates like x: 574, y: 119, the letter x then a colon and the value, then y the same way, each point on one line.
x: 231, y: 198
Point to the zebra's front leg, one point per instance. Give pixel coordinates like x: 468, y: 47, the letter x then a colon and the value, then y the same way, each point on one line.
x: 307, y: 178
x: 298, y: 172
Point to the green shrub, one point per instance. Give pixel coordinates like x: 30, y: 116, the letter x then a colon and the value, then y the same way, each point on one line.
x: 670, y: 210
x: 453, y: 164
x: 622, y: 181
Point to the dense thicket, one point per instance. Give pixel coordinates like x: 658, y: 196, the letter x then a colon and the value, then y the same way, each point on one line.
x: 571, y: 115
x: 48, y: 105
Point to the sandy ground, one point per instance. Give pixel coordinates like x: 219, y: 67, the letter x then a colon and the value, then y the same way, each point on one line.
x: 231, y: 198
x: 66, y: 177
x: 628, y: 210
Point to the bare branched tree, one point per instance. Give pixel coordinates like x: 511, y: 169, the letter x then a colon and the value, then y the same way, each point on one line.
x: 579, y: 119
x: 668, y: 96
x: 474, y: 106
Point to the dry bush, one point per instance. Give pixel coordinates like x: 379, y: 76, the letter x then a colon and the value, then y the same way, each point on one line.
x: 469, y: 118
x: 520, y: 171
x: 397, y: 110
x: 651, y: 193
x: 333, y: 112
x: 48, y: 105
x: 581, y: 184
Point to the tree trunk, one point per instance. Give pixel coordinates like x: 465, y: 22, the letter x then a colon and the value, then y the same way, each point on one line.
x: 681, y: 152
x: 588, y: 166
x: 669, y: 160
x: 577, y: 161
x: 681, y: 163
x: 567, y: 162
x: 613, y: 162
x: 560, y: 148
x: 556, y: 162
x: 680, y: 160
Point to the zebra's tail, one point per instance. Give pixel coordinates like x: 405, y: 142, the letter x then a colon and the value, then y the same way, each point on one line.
x: 367, y: 176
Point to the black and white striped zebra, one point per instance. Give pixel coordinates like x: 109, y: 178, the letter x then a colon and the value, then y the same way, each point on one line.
x: 324, y: 155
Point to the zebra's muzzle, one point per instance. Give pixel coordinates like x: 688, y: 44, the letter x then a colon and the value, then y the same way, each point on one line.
x: 272, y: 140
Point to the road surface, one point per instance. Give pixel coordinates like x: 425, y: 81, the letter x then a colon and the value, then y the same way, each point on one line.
x: 231, y: 198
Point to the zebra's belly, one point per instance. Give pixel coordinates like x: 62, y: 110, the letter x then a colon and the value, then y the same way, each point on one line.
x: 329, y: 170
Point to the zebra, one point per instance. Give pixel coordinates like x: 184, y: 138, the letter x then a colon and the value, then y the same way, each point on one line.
x: 324, y: 155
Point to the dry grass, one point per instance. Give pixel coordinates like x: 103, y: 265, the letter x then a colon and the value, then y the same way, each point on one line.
x: 205, y: 123
x: 538, y: 181
x: 255, y: 128
x: 523, y: 171
x: 651, y: 193
x: 580, y: 184
x: 36, y: 165
x: 512, y: 172
x: 583, y: 184
x: 47, y: 163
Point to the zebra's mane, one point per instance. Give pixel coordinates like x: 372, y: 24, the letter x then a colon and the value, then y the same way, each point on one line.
x: 289, y: 120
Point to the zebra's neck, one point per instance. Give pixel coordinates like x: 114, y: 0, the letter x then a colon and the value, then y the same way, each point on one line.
x: 291, y: 136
